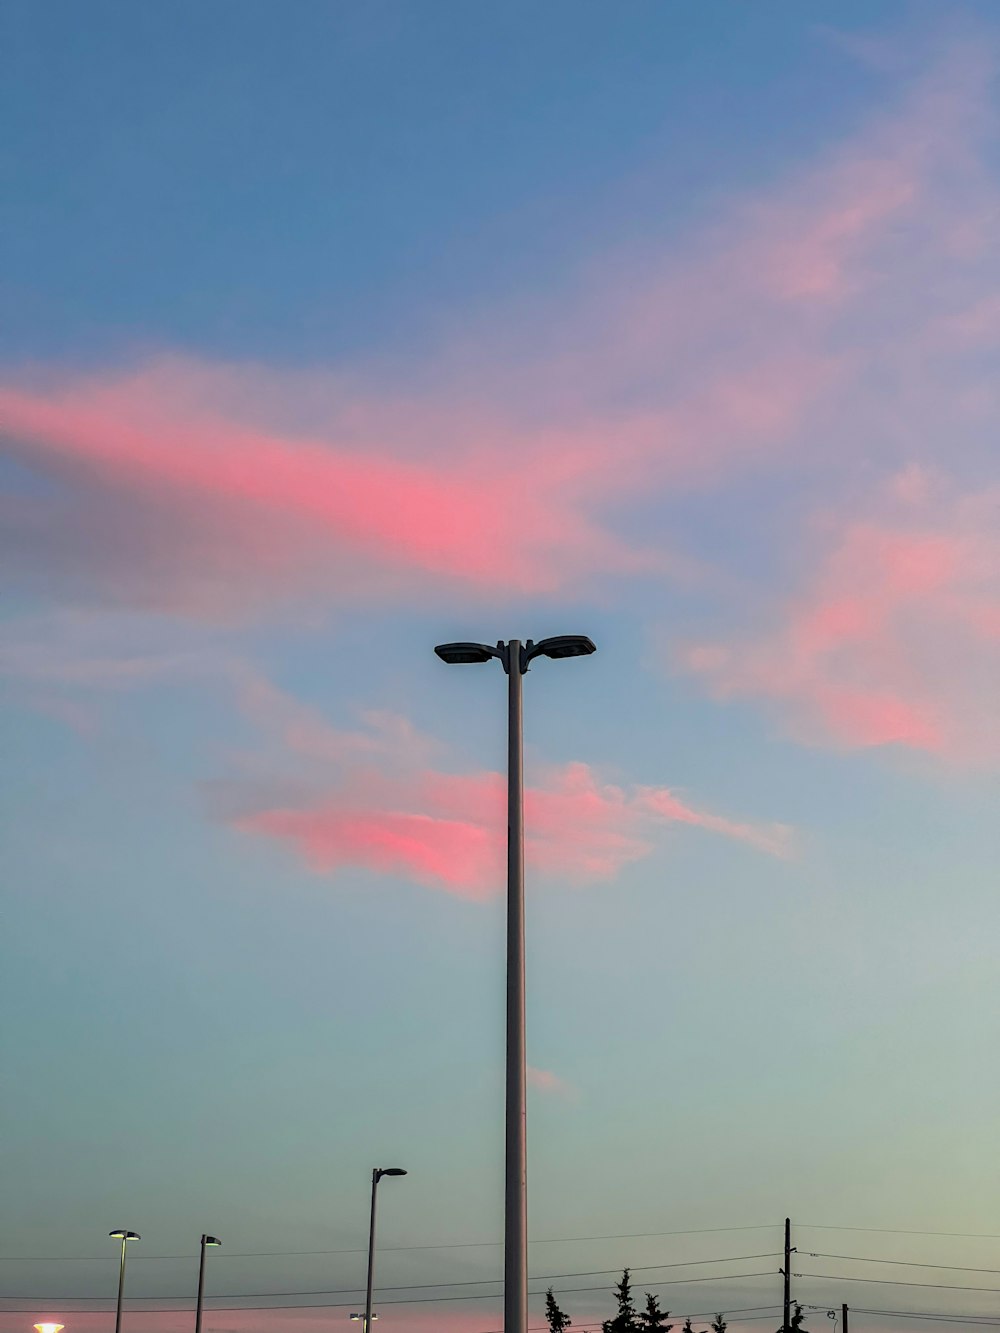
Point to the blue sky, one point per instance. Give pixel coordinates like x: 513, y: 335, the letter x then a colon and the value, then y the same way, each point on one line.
x: 335, y: 332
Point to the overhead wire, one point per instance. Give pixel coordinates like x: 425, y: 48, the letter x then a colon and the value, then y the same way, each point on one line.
x: 906, y: 1263
x: 896, y: 1231
x: 893, y: 1282
x: 984, y: 1320
x: 389, y: 1249
x: 355, y: 1291
x: 416, y: 1300
x: 418, y: 1286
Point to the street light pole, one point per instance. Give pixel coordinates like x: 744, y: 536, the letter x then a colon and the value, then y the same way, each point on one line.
x: 205, y: 1242
x: 377, y: 1175
x: 515, y: 1254
x: 515, y: 659
x: 124, y: 1236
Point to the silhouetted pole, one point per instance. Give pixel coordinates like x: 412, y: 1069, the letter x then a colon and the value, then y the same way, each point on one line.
x: 124, y: 1236
x: 843, y: 1318
x: 787, y: 1270
x: 376, y: 1176
x: 121, y: 1289
x: 515, y: 1287
x: 205, y: 1242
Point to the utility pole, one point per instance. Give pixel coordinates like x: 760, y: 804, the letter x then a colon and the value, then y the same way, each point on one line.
x: 787, y: 1271
x: 843, y: 1319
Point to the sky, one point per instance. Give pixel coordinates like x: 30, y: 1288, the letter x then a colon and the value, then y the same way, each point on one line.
x: 333, y: 332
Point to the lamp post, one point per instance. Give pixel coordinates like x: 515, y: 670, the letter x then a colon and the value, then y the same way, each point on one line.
x: 124, y: 1236
x: 377, y: 1175
x: 515, y: 659
x: 206, y: 1241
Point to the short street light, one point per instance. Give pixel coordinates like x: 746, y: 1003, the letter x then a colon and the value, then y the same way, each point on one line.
x: 49, y: 1328
x: 515, y: 659
x: 206, y: 1241
x: 124, y: 1236
x: 356, y: 1315
x: 377, y: 1175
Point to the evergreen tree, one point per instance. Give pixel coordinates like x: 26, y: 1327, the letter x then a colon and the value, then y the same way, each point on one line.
x: 653, y: 1319
x: 626, y: 1320
x: 795, y: 1323
x: 718, y: 1324
x: 687, y: 1325
x: 558, y: 1321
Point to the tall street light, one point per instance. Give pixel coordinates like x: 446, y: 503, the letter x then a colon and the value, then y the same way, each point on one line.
x: 124, y: 1236
x: 515, y: 658
x: 377, y: 1175
x: 206, y: 1241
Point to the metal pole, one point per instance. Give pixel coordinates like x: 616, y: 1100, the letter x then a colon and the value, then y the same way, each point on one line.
x: 201, y: 1286
x: 787, y: 1270
x: 371, y: 1255
x: 121, y: 1288
x: 515, y: 1292
x: 843, y: 1318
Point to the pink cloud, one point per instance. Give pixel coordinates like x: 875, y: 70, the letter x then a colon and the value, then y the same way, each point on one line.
x: 775, y: 839
x: 836, y: 325
x: 265, y: 507
x: 366, y: 795
x: 216, y: 490
x: 443, y: 853
x: 448, y: 831
x: 544, y: 1080
x: 892, y: 639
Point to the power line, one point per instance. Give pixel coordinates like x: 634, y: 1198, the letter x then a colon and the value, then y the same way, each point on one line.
x: 489, y: 1244
x: 383, y: 1249
x: 895, y: 1231
x: 906, y: 1263
x: 892, y: 1282
x: 337, y: 1305
x: 420, y: 1286
x: 939, y: 1318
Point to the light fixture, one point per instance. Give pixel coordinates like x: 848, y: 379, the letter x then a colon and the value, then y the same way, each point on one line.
x: 456, y: 654
x: 563, y: 645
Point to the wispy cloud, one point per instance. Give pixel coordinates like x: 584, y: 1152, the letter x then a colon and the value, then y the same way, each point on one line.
x: 447, y: 830
x: 839, y: 328
x: 894, y: 637
x: 375, y: 794
x: 218, y: 490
